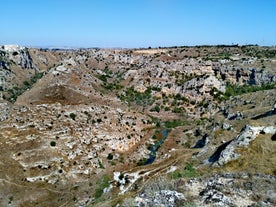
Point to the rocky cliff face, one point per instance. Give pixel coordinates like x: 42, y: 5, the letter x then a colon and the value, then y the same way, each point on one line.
x: 15, y: 67
x: 19, y: 55
x: 247, y: 135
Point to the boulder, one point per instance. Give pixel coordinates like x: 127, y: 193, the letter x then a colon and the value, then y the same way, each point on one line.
x: 226, y: 126
x: 235, y: 116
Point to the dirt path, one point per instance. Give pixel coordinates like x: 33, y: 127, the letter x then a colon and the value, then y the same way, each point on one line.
x: 150, y: 172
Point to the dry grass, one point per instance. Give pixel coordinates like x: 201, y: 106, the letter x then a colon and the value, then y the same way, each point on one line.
x: 259, y: 157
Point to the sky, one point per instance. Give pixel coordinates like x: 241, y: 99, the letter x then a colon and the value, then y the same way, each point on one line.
x: 137, y: 23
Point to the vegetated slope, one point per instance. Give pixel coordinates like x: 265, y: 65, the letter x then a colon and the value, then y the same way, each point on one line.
x: 75, y: 121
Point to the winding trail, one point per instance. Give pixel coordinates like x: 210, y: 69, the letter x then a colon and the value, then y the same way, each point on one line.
x: 149, y: 172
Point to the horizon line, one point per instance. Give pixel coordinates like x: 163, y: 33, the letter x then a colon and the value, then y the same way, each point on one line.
x: 149, y: 47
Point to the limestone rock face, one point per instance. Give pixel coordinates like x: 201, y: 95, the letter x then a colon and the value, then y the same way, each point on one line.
x: 213, y: 82
x: 160, y: 198
x: 19, y: 55
x: 16, y: 66
x: 230, y: 190
x: 213, y: 193
x: 235, y: 116
x: 247, y: 135
x: 241, y: 75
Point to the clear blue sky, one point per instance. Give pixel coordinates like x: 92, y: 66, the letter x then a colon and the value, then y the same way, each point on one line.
x: 137, y: 23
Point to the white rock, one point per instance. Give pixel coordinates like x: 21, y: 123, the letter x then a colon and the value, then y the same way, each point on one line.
x: 248, y: 134
x: 13, y: 48
x: 269, y: 130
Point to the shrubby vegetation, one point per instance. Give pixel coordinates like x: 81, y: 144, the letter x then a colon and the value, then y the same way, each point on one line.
x: 188, y: 172
x: 73, y: 116
x: 140, y: 98
x: 234, y: 90
x: 156, y: 108
x: 110, y: 156
x: 53, y: 143
x: 102, y: 184
x: 16, y: 91
x: 176, y: 123
x: 142, y: 161
x: 110, y: 84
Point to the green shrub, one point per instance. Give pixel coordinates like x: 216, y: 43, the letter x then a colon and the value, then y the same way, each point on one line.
x: 53, y: 143
x: 176, y: 123
x: 155, y: 108
x: 176, y: 174
x: 234, y: 90
x: 112, y: 86
x: 26, y: 83
x: 102, y: 184
x: 167, y: 108
x: 10, y: 199
x: 139, y: 98
x: 110, y: 156
x: 177, y: 110
x: 189, y: 171
x: 16, y: 91
x: 142, y: 161
x: 73, y: 116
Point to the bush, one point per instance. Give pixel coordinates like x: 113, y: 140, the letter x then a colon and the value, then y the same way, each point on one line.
x: 53, y: 143
x: 73, y: 116
x: 234, y: 90
x: 167, y: 108
x: 26, y: 83
x: 16, y: 91
x: 139, y: 98
x: 155, y: 108
x: 112, y: 86
x: 142, y: 161
x: 189, y: 171
x: 176, y: 174
x: 102, y: 184
x: 110, y: 156
x: 177, y: 110
x: 176, y: 123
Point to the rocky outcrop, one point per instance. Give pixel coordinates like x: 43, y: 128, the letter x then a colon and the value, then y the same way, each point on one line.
x: 235, y: 116
x: 4, y: 111
x: 247, y: 135
x: 166, y: 198
x: 19, y: 55
x: 202, y: 142
x: 214, y: 194
x: 230, y: 189
x: 243, y: 75
x: 14, y: 61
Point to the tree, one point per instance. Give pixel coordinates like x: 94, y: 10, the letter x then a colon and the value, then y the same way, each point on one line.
x: 53, y: 143
x: 110, y: 156
x: 72, y: 116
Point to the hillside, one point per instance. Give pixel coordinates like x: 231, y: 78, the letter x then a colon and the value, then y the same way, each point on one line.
x: 181, y: 126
